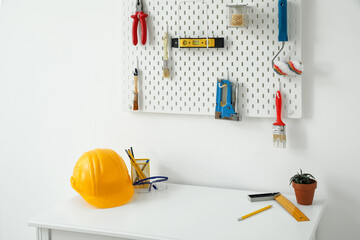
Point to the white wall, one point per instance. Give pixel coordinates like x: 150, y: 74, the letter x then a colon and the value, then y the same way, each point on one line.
x: 60, y: 95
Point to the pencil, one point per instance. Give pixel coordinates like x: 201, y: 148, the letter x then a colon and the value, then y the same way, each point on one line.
x: 136, y: 166
x: 132, y: 152
x: 143, y: 167
x: 253, y: 213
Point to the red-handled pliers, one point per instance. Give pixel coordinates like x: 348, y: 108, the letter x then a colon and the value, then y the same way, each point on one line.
x: 139, y: 15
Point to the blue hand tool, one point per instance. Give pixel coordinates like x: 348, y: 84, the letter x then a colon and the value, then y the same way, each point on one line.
x: 283, y: 31
x: 225, y: 101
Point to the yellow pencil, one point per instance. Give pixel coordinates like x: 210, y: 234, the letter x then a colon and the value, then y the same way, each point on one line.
x: 253, y: 213
x: 136, y: 166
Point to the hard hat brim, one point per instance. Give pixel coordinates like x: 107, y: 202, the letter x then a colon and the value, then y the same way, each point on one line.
x: 108, y: 201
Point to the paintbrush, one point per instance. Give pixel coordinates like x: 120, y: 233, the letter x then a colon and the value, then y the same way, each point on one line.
x: 279, y: 135
x: 166, y: 70
x: 136, y: 94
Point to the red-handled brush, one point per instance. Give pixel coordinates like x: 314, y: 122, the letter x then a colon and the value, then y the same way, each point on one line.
x: 279, y: 135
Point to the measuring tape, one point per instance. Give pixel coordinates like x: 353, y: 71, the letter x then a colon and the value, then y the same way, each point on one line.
x: 294, y: 211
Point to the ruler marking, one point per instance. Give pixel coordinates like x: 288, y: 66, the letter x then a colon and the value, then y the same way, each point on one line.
x: 291, y: 208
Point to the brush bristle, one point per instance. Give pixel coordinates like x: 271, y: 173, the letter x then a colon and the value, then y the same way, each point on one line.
x: 166, y: 73
x: 135, y: 106
x: 279, y: 141
x: 136, y: 102
x: 279, y: 136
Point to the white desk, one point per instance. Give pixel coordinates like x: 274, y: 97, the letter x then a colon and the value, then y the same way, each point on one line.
x: 180, y: 212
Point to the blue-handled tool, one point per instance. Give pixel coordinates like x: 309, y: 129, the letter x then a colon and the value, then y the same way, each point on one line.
x: 283, y: 30
x: 288, y: 68
x: 226, y: 101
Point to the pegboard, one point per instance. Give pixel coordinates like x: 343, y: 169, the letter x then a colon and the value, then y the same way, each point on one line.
x: 246, y: 58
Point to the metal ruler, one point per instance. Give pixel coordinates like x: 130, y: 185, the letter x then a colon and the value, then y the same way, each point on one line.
x: 294, y: 211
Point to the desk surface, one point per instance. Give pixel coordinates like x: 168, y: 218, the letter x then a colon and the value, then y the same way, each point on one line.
x: 184, y: 212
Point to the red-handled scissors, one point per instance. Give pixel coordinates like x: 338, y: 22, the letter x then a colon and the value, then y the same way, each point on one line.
x: 139, y: 15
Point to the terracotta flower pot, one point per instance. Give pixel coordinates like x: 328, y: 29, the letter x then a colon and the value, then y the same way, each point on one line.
x: 305, y: 192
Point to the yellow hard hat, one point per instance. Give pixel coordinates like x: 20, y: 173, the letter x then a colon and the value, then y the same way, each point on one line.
x: 101, y: 177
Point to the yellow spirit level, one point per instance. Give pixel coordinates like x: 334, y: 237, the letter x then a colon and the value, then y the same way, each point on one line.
x: 197, y: 42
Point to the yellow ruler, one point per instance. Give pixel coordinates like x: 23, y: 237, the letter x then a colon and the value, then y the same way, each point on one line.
x: 294, y: 211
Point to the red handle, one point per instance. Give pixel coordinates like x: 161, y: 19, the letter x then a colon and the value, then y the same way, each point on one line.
x: 278, y: 103
x: 142, y: 17
x: 134, y: 29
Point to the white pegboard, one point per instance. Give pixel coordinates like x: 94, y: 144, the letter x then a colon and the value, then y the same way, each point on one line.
x: 247, y: 56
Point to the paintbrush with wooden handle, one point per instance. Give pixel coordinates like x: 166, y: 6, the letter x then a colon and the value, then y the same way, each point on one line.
x: 136, y: 93
x: 166, y: 70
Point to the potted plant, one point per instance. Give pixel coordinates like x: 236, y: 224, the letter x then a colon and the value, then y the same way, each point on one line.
x: 304, y: 185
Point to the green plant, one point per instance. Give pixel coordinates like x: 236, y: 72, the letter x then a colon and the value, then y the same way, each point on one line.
x: 302, y: 178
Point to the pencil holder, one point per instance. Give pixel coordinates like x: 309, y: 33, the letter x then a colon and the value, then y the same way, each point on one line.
x: 144, y: 166
x: 238, y: 16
